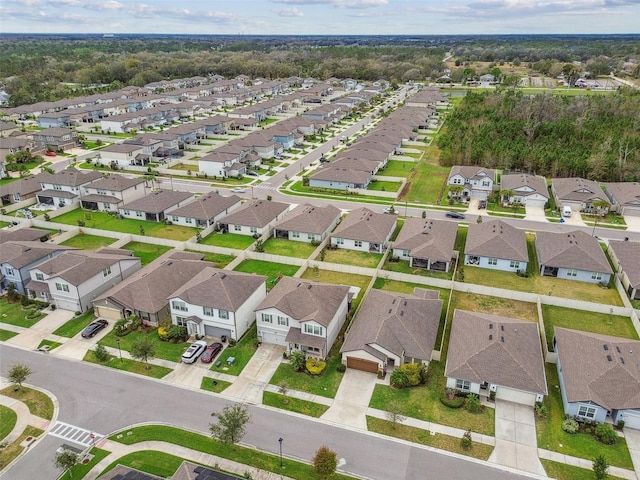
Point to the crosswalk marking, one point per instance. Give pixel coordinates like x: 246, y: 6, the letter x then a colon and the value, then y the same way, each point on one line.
x: 78, y: 435
x: 266, y: 187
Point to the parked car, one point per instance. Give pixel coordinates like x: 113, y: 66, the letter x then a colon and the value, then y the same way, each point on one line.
x: 211, y: 352
x: 457, y: 215
x: 482, y: 204
x: 251, y: 173
x: 50, y: 154
x: 194, y: 351
x: 93, y: 328
x: 238, y: 190
x: 390, y: 210
x: 324, y: 160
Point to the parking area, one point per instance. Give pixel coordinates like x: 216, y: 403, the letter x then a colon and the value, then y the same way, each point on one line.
x: 575, y: 219
x: 535, y: 213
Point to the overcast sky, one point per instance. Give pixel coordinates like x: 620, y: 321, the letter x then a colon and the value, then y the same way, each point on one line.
x: 323, y: 17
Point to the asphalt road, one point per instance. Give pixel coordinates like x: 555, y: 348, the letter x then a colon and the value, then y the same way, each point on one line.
x: 105, y: 400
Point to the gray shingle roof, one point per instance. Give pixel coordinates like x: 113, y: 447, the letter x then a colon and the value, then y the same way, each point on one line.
x: 157, y: 201
x: 425, y: 238
x: 574, y: 249
x: 628, y: 254
x: 257, y: 213
x: 405, y: 325
x: 21, y: 253
x: 472, y: 171
x: 71, y: 177
x: 78, y: 266
x: 599, y: 368
x: 517, y: 181
x: 309, y: 218
x: 22, y: 234
x: 363, y: 224
x: 501, y: 350
x: 207, y: 206
x: 336, y: 174
x: 578, y: 190
x: 624, y: 193
x: 497, y: 239
x: 116, y: 183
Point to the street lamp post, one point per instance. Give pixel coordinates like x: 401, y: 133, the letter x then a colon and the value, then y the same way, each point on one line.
x: 119, y: 350
x: 280, y: 441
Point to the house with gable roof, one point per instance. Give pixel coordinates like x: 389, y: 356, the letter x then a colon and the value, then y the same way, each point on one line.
x: 524, y: 189
x: 308, y: 223
x: 205, y: 210
x: 364, y: 230
x: 476, y: 182
x: 624, y: 197
x: 625, y: 255
x: 578, y: 193
x: 111, y: 192
x: 64, y: 187
x: 496, y: 245
x: 427, y: 243
x: 155, y: 206
x: 254, y: 218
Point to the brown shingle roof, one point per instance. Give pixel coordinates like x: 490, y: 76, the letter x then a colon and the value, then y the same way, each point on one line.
x: 335, y: 174
x: 628, y: 254
x: 71, y: 177
x: 157, y: 201
x: 78, y: 266
x: 517, y: 181
x: 624, y: 193
x: 599, y: 368
x: 578, y: 189
x: 207, y: 206
x: 22, y: 234
x: 309, y: 218
x: 500, y: 350
x: 256, y: 214
x: 574, y: 249
x: 116, y: 183
x: 363, y: 224
x: 433, y: 239
x: 471, y: 171
x: 497, y: 239
x: 20, y: 254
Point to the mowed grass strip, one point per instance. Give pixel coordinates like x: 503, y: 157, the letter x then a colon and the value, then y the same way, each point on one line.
x: 81, y: 469
x: 88, y: 242
x: 39, y: 404
x: 6, y: 335
x: 9, y: 419
x: 325, y: 385
x: 146, y: 252
x: 228, y: 240
x: 291, y: 404
x: 241, y: 352
x: 353, y: 257
x: 164, y: 350
x: 213, y: 385
x: 10, y: 452
x: 132, y: 366
x: 271, y: 270
x: 156, y: 463
x: 74, y: 326
x: 289, y: 248
x: 562, y: 471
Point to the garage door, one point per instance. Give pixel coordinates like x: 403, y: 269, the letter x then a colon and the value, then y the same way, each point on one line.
x: 67, y: 305
x: 632, y: 211
x: 531, y: 202
x: 218, y: 332
x: 516, y: 396
x: 108, y: 313
x: 631, y: 420
x: 361, y: 364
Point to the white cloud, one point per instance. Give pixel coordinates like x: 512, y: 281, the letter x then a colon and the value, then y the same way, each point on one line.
x: 288, y: 12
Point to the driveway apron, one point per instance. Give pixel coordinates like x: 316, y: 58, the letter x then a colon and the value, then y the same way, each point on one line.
x: 633, y: 444
x: 352, y: 399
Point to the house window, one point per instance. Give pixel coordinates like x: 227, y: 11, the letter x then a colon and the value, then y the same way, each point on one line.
x: 181, y: 321
x: 313, y: 349
x: 596, y: 276
x: 207, y: 311
x: 9, y: 270
x: 237, y: 228
x: 40, y: 277
x: 357, y: 243
x: 283, y: 321
x: 492, y: 261
x: 463, y: 385
x: 106, y: 271
x: 266, y: 318
x: 295, y: 234
x: 188, y: 220
x: 587, y: 412
x: 572, y: 272
x: 223, y: 314
x: 514, y: 264
x: 253, y: 230
x: 178, y: 305
x: 405, y: 253
x: 57, y: 187
x: 339, y: 241
x: 125, y: 212
x: 138, y: 214
x: 313, y: 329
x: 106, y: 206
x: 62, y: 287
x: 174, y: 218
x: 486, y: 183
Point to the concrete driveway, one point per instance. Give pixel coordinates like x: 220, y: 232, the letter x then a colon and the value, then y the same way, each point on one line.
x: 633, y: 223
x: 32, y: 337
x: 516, y: 443
x: 352, y: 399
x: 256, y: 374
x: 473, y: 209
x: 535, y: 214
x: 633, y: 444
x: 575, y: 219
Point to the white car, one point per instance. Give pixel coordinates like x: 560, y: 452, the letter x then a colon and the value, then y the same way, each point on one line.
x: 194, y: 351
x: 238, y: 190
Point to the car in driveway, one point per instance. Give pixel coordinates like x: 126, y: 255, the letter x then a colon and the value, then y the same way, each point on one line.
x: 251, y: 173
x: 50, y: 154
x: 93, y: 328
x: 194, y: 351
x: 459, y: 216
x: 238, y: 190
x: 211, y: 352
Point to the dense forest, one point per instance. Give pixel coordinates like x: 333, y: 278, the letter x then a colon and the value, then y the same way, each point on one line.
x: 591, y: 136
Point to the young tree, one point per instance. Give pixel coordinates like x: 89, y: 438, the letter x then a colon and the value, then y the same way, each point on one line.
x: 283, y: 389
x: 232, y: 422
x: 18, y: 373
x: 600, y: 467
x: 143, y: 349
x: 394, y: 413
x: 325, y: 461
x: 66, y: 460
x: 466, y: 442
x: 101, y: 353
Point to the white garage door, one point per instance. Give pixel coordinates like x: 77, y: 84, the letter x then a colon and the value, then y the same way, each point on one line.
x: 632, y: 211
x: 531, y: 202
x: 516, y: 396
x: 67, y: 305
x: 631, y: 420
x: 271, y: 337
x: 108, y: 313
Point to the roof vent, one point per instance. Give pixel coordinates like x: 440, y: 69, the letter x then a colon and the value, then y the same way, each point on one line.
x: 490, y: 337
x: 309, y: 287
x: 502, y: 327
x: 618, y: 349
x: 609, y: 357
x: 622, y: 360
x: 490, y: 326
x: 502, y: 339
x: 401, y: 313
x: 606, y: 347
x: 223, y: 276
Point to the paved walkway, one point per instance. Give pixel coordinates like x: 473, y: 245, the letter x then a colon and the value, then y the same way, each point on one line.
x: 633, y: 444
x: 31, y: 337
x: 25, y: 418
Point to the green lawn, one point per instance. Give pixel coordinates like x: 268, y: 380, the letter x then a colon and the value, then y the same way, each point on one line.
x: 75, y: 325
x: 325, y: 385
x: 562, y: 471
x: 552, y: 437
x: 242, y: 352
x: 403, y: 266
x: 39, y: 404
x: 131, y: 366
x: 353, y: 257
x: 112, y: 223
x: 81, y: 469
x: 426, y: 183
x: 229, y: 240
x: 50, y: 343
x: 8, y: 419
x: 220, y: 259
x: 289, y: 248
x: 209, y: 385
x: 304, y: 407
x: 603, y: 323
x: 156, y: 463
x: 10, y: 452
x: 88, y: 242
x: 270, y: 269
x: 384, y: 186
x: 398, y: 168
x: 14, y: 314
x: 146, y: 252
x: 164, y: 350
x: 6, y: 335
x: 424, y: 437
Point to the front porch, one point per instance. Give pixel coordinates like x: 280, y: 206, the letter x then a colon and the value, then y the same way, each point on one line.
x: 310, y: 345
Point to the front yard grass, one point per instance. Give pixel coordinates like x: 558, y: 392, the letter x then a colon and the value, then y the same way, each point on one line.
x: 14, y: 314
x: 146, y: 252
x: 9, y: 453
x: 75, y: 325
x: 424, y: 437
x: 88, y: 242
x: 398, y: 168
x: 384, y: 186
x: 271, y: 270
x: 81, y: 469
x: 161, y: 464
x: 353, y: 257
x: 6, y: 335
x: 209, y: 385
x: 426, y: 182
x: 229, y: 240
x: 164, y: 350
x: 112, y: 223
x: 602, y: 323
x: 9, y: 419
x: 50, y: 343
x: 242, y: 352
x: 289, y: 248
x: 297, y: 405
x: 132, y: 366
x: 552, y: 437
x: 562, y: 471
x: 325, y: 385
x: 39, y: 403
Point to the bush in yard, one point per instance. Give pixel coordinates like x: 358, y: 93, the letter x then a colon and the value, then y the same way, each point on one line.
x: 341, y: 368
x: 399, y: 379
x: 466, y: 442
x: 600, y: 467
x: 101, y: 353
x: 315, y: 366
x: 473, y: 405
x: 176, y: 333
x: 163, y: 333
x: 121, y: 327
x: 540, y: 409
x: 297, y: 360
x: 412, y: 370
x: 452, y: 403
x: 570, y: 426
x: 325, y: 461
x: 606, y: 434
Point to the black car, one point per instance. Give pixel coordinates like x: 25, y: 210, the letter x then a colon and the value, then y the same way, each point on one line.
x: 324, y: 160
x: 211, y: 352
x: 457, y: 215
x: 93, y: 328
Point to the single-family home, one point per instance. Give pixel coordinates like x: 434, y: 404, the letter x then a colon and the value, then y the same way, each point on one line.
x: 496, y: 245
x: 218, y: 302
x: 56, y: 138
x: 364, y: 230
x: 475, y: 182
x: 574, y: 255
x: 427, y: 243
x: 625, y: 256
x: 624, y: 197
x: 123, y: 155
x: 579, y: 194
x: 64, y: 187
x: 111, y: 192
x: 255, y: 218
x: 340, y: 178
x: 392, y: 329
x: 524, y: 189
x: 205, y: 211
x: 73, y: 279
x: 221, y: 164
x: 303, y: 315
x: 308, y: 223
x: 155, y: 206
x: 20, y: 190
x: 599, y: 376
x: 490, y: 353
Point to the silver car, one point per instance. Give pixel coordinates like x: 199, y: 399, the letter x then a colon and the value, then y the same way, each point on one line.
x: 194, y: 351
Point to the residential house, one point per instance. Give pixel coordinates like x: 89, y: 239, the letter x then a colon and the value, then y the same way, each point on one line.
x: 205, y: 211
x: 218, y: 302
x: 13, y: 145
x: 72, y: 280
x: 625, y: 256
x: 123, y: 155
x: 146, y: 292
x: 308, y: 223
x: 155, y: 206
x: 57, y: 139
x: 111, y: 192
x: 392, y: 329
x: 255, y: 218
x: 64, y: 187
x: 427, y: 244
x: 20, y: 190
x: 524, y: 189
x: 490, y: 353
x: 303, y: 315
x: 496, y: 245
x: 364, y: 230
x: 27, y: 234
x: 624, y: 197
x: 476, y: 182
x: 599, y: 376
x: 579, y: 194
x: 221, y: 164
x: 340, y: 178
x: 574, y: 255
